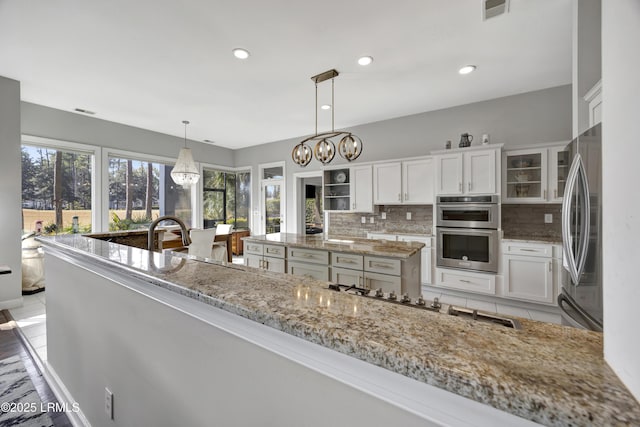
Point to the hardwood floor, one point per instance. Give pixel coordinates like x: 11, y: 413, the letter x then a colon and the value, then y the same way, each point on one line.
x: 12, y: 345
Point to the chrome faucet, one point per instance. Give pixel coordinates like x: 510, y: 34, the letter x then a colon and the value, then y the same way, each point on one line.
x: 151, y: 238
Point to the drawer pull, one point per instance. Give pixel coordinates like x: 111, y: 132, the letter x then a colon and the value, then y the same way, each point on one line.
x: 379, y: 265
x: 529, y: 250
x: 346, y: 261
x: 465, y: 281
x: 273, y: 251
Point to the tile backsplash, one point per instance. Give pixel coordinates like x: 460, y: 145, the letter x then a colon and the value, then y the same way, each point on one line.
x: 518, y: 221
x: 527, y: 221
x: 350, y: 224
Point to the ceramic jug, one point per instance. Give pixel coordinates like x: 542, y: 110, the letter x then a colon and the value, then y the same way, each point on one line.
x: 465, y: 140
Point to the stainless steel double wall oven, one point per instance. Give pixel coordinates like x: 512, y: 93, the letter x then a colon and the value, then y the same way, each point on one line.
x: 467, y: 232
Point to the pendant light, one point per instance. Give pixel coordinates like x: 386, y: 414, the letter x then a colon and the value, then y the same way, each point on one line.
x: 185, y: 172
x: 349, y: 147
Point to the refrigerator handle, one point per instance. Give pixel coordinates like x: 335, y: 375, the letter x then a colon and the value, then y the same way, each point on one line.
x: 584, y: 321
x: 583, y: 246
x: 569, y: 258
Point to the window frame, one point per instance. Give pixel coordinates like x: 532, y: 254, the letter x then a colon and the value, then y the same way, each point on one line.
x: 96, y: 165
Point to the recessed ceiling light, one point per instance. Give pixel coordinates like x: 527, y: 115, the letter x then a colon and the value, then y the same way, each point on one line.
x: 240, y: 53
x: 365, y: 60
x: 83, y: 111
x: 325, y: 107
x: 467, y: 69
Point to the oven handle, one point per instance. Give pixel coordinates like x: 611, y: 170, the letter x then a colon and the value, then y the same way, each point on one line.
x: 468, y: 231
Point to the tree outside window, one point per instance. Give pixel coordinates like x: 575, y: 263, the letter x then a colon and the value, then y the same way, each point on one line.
x: 226, y: 198
x: 56, y: 187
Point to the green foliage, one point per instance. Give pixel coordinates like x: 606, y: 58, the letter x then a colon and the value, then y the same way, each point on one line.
x: 50, y: 228
x: 118, y: 224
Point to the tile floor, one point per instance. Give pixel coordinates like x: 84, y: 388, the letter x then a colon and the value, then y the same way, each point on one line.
x: 32, y: 320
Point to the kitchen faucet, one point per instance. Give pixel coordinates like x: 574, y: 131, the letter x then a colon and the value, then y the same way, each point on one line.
x: 151, y: 239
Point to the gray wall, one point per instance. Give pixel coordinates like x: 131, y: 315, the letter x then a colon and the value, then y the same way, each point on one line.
x: 529, y: 118
x: 48, y: 122
x: 10, y: 191
x: 621, y: 222
x: 587, y: 57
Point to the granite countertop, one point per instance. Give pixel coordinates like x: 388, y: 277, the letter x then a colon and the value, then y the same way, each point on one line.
x: 383, y: 248
x: 547, y: 373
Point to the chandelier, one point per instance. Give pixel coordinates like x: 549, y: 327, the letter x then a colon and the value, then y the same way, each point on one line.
x: 349, y: 146
x: 185, y: 172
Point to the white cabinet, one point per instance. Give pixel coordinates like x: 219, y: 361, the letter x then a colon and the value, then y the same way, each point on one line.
x: 535, y: 175
x: 594, y: 99
x: 528, y: 272
x: 467, y: 172
x: 348, y: 189
x: 362, y: 189
x: 308, y: 262
x: 484, y: 283
x: 409, y: 182
x: 265, y: 257
x: 426, y: 255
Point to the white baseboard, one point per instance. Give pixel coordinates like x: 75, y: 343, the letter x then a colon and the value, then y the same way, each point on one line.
x: 77, y: 419
x: 11, y: 303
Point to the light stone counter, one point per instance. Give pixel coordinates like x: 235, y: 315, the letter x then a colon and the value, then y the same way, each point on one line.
x: 547, y: 373
x: 382, y: 248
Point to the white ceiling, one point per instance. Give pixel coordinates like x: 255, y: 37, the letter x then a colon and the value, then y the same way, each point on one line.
x: 153, y: 63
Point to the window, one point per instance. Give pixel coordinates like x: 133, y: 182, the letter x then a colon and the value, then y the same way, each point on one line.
x: 226, y: 198
x: 56, y: 190
x: 141, y: 191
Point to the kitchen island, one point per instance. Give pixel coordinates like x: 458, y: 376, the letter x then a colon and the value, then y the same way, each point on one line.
x: 220, y: 337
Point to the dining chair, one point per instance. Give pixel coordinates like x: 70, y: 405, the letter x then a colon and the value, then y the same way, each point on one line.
x: 202, y: 242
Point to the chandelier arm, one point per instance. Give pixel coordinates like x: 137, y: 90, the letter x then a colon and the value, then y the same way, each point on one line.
x: 333, y: 106
x: 316, y: 108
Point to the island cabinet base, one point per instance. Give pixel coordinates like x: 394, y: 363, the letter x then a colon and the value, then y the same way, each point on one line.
x: 172, y: 360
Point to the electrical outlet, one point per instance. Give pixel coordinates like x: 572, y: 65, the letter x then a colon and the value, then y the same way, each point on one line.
x: 409, y: 216
x: 372, y: 220
x: 548, y: 218
x: 383, y: 215
x: 108, y: 403
x: 363, y: 219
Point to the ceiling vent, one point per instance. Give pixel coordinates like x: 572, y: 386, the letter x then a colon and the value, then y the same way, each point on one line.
x: 493, y: 8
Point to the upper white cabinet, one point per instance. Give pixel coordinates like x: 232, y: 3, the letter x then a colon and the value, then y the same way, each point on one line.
x: 409, y: 182
x: 467, y: 172
x: 348, y: 189
x: 535, y: 175
x: 594, y: 99
x: 362, y: 189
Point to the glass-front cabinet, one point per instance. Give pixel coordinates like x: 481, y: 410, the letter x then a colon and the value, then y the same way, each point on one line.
x: 535, y: 175
x: 525, y: 176
x: 559, y: 164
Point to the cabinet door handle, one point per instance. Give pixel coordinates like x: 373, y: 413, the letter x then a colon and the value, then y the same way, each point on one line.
x: 460, y: 187
x: 266, y: 264
x: 353, y: 205
x: 379, y: 265
x: 406, y: 196
x: 550, y: 269
x: 469, y: 186
x: 545, y: 194
x: 399, y: 197
x: 555, y: 193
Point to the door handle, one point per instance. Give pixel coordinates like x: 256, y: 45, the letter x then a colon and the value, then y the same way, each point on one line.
x: 406, y: 196
x: 583, y: 247
x: 544, y: 192
x: 569, y: 258
x: 460, y: 187
x: 399, y: 197
x: 469, y: 186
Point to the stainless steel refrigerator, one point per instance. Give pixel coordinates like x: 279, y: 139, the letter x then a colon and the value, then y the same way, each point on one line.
x: 581, y: 296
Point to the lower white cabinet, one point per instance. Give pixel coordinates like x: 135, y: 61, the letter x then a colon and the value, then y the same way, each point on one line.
x: 528, y: 271
x: 484, y: 283
x: 308, y: 262
x: 266, y: 257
